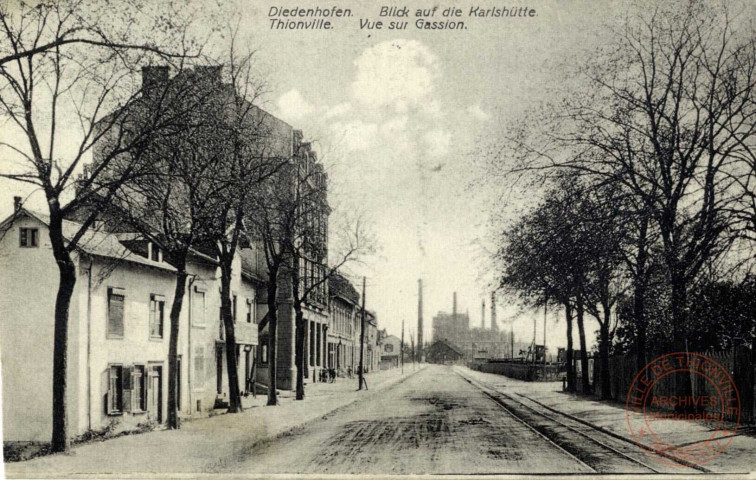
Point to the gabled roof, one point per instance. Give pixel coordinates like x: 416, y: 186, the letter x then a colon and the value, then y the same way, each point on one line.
x: 339, y: 286
x: 251, y: 267
x: 449, y: 345
x: 93, y: 242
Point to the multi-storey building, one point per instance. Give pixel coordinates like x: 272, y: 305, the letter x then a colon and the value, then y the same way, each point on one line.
x: 342, y: 333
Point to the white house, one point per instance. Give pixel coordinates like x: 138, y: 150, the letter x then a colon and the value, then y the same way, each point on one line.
x: 118, y: 330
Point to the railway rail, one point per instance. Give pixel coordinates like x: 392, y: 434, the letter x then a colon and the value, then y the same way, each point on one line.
x: 591, y: 447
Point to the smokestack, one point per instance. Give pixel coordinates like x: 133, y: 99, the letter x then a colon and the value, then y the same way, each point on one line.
x: 153, y: 76
x: 494, y: 326
x: 16, y: 204
x: 454, y: 307
x: 420, y: 318
x: 483, y: 314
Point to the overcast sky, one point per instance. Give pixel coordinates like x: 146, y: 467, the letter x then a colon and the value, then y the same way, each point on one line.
x: 396, y: 117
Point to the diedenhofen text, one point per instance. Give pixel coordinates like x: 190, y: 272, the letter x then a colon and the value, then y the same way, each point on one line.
x: 317, y: 18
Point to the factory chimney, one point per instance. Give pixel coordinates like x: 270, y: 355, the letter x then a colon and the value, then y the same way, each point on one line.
x: 483, y: 314
x: 420, y: 319
x: 494, y: 326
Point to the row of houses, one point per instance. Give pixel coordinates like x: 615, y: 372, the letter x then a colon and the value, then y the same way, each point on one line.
x: 119, y: 327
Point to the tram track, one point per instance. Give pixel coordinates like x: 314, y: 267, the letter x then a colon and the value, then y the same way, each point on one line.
x: 585, y: 444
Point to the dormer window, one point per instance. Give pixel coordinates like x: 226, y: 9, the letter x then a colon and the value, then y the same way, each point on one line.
x: 154, y: 253
x: 28, y: 237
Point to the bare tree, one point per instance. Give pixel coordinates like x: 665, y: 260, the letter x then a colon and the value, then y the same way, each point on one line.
x: 251, y: 156
x: 173, y: 203
x: 69, y: 60
x: 670, y: 111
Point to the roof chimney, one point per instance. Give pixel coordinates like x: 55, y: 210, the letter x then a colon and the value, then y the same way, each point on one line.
x: 154, y: 75
x: 211, y: 73
x: 16, y: 204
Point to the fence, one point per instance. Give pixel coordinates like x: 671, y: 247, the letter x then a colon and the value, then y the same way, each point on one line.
x: 522, y: 371
x: 623, y: 370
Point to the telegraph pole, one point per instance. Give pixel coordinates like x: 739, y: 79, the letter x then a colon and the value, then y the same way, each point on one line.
x: 402, y: 348
x: 420, y: 320
x: 362, y: 338
x: 544, y: 328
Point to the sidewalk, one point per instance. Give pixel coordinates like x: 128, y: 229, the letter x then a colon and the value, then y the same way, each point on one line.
x: 736, y: 457
x: 206, y: 445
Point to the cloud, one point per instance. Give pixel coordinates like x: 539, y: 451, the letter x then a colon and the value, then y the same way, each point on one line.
x: 397, y: 73
x: 355, y: 135
x: 437, y: 142
x: 293, y: 106
x: 478, y: 112
x: 338, y: 110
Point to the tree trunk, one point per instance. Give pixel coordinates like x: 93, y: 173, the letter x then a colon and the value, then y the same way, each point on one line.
x: 234, y: 392
x: 641, y: 328
x: 569, y: 357
x: 299, y: 345
x: 639, y: 296
x: 683, y: 384
x: 586, y: 381
x: 606, y: 388
x: 176, y: 306
x: 67, y: 282
x: 272, y: 340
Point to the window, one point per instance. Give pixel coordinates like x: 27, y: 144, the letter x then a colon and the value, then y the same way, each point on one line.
x: 249, y: 311
x: 157, y: 316
x: 312, y: 344
x: 198, y: 309
x: 127, y: 389
x: 154, y: 251
x: 263, y: 358
x: 116, y: 300
x: 388, y: 348
x: 28, y: 237
x: 317, y: 354
x: 199, y: 366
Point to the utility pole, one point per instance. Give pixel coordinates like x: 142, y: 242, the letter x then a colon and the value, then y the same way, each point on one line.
x: 511, y: 336
x: 402, y: 348
x: 412, y: 348
x: 545, y: 306
x: 420, y: 318
x: 483, y: 314
x: 362, y: 338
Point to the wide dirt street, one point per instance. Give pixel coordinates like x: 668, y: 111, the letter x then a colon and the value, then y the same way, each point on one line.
x: 434, y: 422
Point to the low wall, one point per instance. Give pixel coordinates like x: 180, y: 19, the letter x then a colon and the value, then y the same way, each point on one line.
x: 521, y: 371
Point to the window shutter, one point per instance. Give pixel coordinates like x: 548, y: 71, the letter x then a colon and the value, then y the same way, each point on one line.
x: 115, y: 312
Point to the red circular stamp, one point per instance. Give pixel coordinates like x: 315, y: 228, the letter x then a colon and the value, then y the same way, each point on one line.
x: 678, y: 427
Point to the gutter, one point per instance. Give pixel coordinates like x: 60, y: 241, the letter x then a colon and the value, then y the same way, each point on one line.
x: 189, y: 364
x: 89, y: 344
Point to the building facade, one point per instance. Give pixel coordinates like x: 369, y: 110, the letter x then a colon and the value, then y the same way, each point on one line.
x: 118, y: 331
x: 342, y: 331
x: 391, y: 351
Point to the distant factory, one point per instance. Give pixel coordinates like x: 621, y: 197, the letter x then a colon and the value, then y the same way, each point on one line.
x: 477, y: 343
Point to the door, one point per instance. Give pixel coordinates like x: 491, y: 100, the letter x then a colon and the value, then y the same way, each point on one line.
x: 155, y: 393
x: 178, y: 383
x: 247, y: 369
x: 219, y: 369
